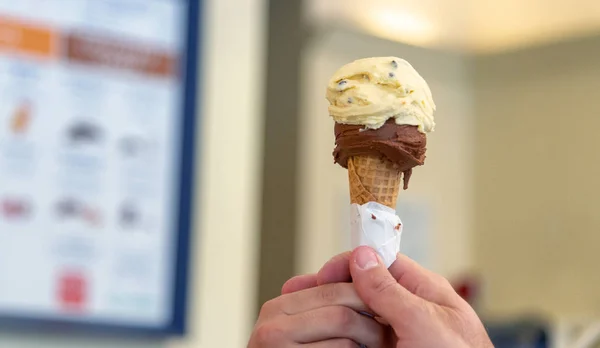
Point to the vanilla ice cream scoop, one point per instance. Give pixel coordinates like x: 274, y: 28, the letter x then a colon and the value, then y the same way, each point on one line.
x: 370, y: 91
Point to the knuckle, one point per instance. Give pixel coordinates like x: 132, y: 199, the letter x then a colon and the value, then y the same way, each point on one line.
x: 267, y: 334
x: 269, y: 307
x: 345, y: 318
x: 285, y: 287
x: 420, y: 290
x: 446, y: 291
x: 436, y: 287
x: 443, y: 282
x: 329, y: 293
x: 384, y: 286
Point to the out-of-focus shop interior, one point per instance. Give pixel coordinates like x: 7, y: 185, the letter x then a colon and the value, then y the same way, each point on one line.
x: 506, y: 206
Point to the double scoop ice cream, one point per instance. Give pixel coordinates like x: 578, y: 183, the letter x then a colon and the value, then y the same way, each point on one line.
x: 382, y: 109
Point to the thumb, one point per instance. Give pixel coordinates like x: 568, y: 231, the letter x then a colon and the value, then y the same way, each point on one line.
x: 379, y: 289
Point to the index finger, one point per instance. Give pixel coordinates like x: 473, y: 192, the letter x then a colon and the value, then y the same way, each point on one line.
x: 423, y: 282
x: 336, y: 270
x: 298, y: 283
x: 337, y: 294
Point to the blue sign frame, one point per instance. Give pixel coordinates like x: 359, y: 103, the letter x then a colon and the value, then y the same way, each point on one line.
x: 178, y: 324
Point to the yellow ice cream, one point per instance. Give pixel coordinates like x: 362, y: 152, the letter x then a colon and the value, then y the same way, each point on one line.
x: 372, y: 90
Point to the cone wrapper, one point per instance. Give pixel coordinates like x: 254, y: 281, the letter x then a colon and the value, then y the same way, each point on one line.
x: 377, y: 226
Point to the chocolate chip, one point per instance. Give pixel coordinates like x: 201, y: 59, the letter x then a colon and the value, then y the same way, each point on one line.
x: 397, y: 228
x: 373, y: 217
x: 342, y: 83
x: 349, y: 100
x: 394, y: 64
x: 391, y: 74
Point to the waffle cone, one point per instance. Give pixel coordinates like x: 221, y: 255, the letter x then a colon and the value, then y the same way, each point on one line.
x: 373, y: 179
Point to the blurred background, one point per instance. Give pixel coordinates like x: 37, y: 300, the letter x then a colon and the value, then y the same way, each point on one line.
x: 506, y: 206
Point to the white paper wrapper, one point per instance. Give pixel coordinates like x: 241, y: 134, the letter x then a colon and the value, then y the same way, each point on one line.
x: 376, y: 225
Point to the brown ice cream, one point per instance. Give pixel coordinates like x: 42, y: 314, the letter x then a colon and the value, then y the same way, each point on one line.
x: 402, y: 145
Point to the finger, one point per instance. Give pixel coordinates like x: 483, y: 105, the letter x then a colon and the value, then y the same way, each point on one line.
x: 380, y: 291
x: 337, y: 294
x: 335, y: 270
x: 299, y: 283
x: 422, y: 282
x: 335, y: 343
x: 335, y: 322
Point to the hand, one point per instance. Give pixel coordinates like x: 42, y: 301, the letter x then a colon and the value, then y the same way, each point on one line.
x: 317, y: 317
x: 420, y: 306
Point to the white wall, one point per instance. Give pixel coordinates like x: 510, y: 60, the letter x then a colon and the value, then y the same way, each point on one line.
x: 537, y: 172
x: 225, y: 247
x: 442, y: 187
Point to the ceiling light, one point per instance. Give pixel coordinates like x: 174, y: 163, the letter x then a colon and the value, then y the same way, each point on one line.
x: 399, y: 26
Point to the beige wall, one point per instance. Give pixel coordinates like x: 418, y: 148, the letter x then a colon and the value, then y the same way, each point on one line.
x: 226, y: 272
x: 537, y: 187
x: 443, y: 186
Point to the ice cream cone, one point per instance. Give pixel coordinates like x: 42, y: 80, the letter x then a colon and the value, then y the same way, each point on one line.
x: 383, y: 110
x: 374, y: 179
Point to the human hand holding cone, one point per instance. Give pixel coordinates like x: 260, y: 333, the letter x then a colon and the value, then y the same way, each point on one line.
x: 382, y: 108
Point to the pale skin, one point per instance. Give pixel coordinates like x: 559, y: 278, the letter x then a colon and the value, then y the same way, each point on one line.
x: 413, y: 307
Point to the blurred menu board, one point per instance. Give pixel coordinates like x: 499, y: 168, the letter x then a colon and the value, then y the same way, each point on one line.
x: 92, y: 117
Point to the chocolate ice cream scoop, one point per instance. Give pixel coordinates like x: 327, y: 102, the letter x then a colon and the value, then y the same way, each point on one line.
x: 402, y: 145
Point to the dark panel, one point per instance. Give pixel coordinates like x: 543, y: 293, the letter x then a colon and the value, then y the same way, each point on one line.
x: 278, y: 221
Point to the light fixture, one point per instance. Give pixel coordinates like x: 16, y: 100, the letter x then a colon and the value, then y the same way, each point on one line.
x: 399, y: 25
